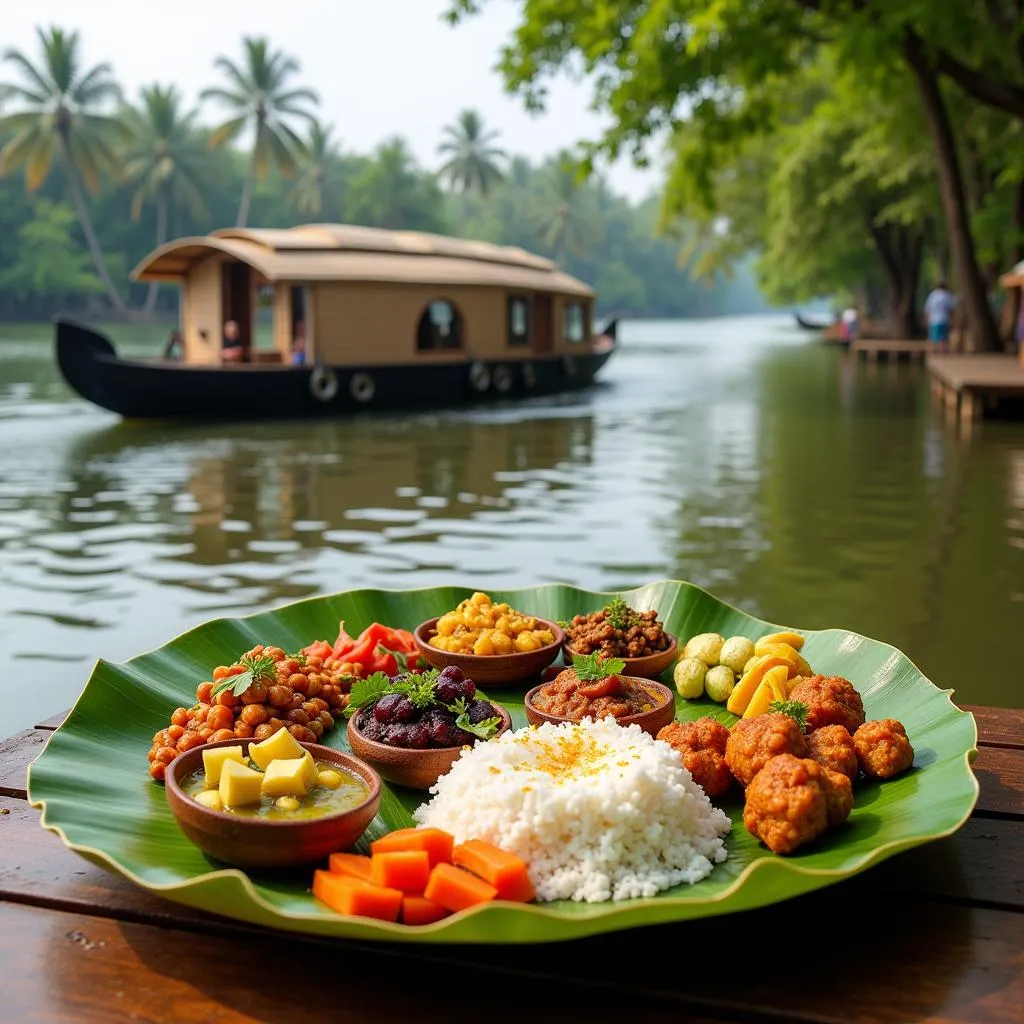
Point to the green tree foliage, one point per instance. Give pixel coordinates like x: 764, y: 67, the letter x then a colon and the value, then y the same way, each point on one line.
x: 473, y: 163
x: 391, y: 192
x: 308, y: 196
x: 564, y: 213
x: 61, y: 117
x: 259, y: 97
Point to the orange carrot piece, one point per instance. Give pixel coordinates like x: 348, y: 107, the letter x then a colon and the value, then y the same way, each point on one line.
x: 505, y: 871
x: 456, y: 889
x: 407, y: 870
x: 437, y: 843
x: 353, y: 864
x: 420, y: 910
x: 354, y: 897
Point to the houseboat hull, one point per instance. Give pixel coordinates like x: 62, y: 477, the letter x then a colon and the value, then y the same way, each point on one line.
x: 162, y: 389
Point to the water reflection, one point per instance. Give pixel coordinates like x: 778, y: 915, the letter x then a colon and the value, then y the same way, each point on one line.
x: 781, y: 475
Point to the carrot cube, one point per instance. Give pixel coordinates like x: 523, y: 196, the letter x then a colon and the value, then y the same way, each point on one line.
x: 505, y: 871
x: 437, y: 843
x: 407, y: 870
x: 352, y: 864
x: 420, y: 910
x: 456, y: 889
x: 356, y: 898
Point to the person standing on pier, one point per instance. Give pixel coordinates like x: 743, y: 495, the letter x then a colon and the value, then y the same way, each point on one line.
x: 938, y: 311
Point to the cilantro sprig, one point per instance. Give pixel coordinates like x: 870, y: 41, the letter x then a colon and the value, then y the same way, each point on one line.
x: 796, y: 709
x: 592, y: 666
x: 260, y: 668
x: 619, y: 614
x: 483, y: 730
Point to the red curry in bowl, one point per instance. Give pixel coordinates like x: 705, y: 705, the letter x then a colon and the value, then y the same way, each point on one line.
x: 568, y: 696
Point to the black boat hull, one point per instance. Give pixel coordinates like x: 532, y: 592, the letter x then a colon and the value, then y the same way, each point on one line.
x: 812, y: 325
x: 140, y: 389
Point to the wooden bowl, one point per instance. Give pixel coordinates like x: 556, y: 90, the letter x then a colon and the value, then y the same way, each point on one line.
x: 650, y: 721
x: 255, y: 843
x: 491, y: 669
x: 650, y: 666
x: 415, y: 769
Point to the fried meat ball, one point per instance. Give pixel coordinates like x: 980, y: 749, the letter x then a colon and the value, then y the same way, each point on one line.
x: 701, y: 745
x: 830, y: 700
x: 838, y: 796
x: 787, y: 803
x: 753, y: 742
x: 832, y: 747
x: 883, y: 749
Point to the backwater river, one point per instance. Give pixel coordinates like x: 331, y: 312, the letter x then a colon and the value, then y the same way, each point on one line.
x: 738, y: 454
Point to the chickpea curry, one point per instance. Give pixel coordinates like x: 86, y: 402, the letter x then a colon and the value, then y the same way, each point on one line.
x: 479, y: 626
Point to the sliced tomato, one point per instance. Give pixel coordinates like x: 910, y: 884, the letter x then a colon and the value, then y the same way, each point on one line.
x: 600, y: 687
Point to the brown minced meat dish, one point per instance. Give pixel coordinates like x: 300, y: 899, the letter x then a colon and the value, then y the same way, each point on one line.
x: 594, y: 634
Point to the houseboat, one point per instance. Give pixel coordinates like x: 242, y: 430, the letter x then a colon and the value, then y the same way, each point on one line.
x: 359, y: 318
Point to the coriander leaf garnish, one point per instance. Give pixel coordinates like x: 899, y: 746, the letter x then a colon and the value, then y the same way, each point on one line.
x: 593, y: 666
x: 298, y: 657
x: 482, y: 730
x: 367, y: 691
x: 618, y: 613
x: 258, y: 669
x: 796, y: 709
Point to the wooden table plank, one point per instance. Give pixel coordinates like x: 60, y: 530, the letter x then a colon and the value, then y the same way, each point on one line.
x: 998, y: 727
x: 17, y: 752
x: 1000, y: 774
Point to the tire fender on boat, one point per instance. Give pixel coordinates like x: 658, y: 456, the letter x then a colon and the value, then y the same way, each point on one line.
x: 529, y: 375
x: 569, y: 365
x: 323, y: 383
x: 362, y: 387
x: 479, y: 376
x: 502, y: 378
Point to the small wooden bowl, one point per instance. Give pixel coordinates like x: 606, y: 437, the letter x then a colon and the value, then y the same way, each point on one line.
x: 415, y: 769
x: 255, y: 843
x: 650, y: 721
x: 491, y: 669
x: 650, y: 666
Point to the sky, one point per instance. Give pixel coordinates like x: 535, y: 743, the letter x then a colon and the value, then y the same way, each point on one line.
x: 381, y: 67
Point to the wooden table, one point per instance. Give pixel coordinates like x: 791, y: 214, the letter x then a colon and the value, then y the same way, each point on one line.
x: 936, y: 934
x: 967, y: 384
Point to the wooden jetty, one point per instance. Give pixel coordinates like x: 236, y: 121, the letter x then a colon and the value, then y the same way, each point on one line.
x: 872, y: 349
x: 969, y: 384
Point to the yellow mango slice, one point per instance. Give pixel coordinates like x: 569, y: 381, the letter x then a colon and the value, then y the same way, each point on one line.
x: 239, y: 785
x: 295, y: 776
x: 746, y: 687
x: 282, y: 745
x: 785, y: 651
x: 750, y: 663
x: 786, y: 636
x: 215, y: 759
x: 771, y: 687
x: 778, y: 682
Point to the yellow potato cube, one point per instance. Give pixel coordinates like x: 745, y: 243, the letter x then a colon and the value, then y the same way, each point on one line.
x: 294, y: 776
x: 214, y: 760
x: 527, y: 642
x: 239, y: 785
x: 281, y: 746
x: 501, y: 642
x: 210, y: 798
x: 484, y: 645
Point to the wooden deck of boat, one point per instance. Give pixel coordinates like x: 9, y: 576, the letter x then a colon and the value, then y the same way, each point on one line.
x: 970, y: 383
x: 873, y: 348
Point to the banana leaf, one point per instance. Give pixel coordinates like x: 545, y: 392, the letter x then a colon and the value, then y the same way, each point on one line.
x: 94, y: 790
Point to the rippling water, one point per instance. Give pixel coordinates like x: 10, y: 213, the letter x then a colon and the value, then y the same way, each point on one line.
x: 733, y: 453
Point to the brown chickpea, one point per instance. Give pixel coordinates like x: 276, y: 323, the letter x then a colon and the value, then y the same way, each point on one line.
x: 199, y: 715
x: 243, y: 730
x: 158, y: 737
x: 326, y: 719
x: 175, y: 733
x: 165, y: 755
x: 220, y: 672
x: 263, y: 732
x: 298, y: 716
x: 179, y: 716
x: 314, y: 663
x: 253, y: 714
x: 188, y: 741
x: 302, y: 733
x: 321, y: 704
x: 298, y: 682
x: 316, y: 728
x: 222, y: 734
x: 152, y: 754
x: 275, y: 723
x: 204, y: 692
x: 158, y: 771
x: 280, y: 696
x: 296, y: 702
x: 339, y: 700
x: 227, y: 699
x: 328, y: 690
x: 205, y: 732
x: 310, y: 708
x: 256, y: 694
x: 220, y: 717
x: 288, y: 666
x: 313, y: 687
x: 274, y: 652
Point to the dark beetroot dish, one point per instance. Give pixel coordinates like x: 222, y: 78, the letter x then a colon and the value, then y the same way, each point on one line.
x: 617, y: 631
x: 422, y: 711
x: 593, y: 688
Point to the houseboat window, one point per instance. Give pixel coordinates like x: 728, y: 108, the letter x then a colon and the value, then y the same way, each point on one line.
x: 572, y: 323
x: 518, y: 320
x: 439, y: 327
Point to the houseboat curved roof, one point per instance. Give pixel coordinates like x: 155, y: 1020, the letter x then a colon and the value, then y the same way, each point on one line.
x: 345, y: 252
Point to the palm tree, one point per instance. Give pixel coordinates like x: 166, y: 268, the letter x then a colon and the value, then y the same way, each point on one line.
x: 473, y: 161
x: 163, y: 159
x: 307, y: 196
x: 62, y: 117
x: 564, y: 213
x: 258, y: 97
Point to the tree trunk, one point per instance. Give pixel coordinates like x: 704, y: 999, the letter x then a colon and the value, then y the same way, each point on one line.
x: 161, y: 237
x: 91, y: 241
x: 246, y: 201
x: 1012, y: 307
x: 974, y: 301
x: 900, y: 256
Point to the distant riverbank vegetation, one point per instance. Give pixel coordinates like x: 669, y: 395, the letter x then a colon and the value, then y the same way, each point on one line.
x: 91, y: 180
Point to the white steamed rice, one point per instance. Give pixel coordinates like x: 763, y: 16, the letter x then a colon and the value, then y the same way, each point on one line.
x: 597, y: 811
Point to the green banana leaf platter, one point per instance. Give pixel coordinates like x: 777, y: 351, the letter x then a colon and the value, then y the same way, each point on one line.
x: 92, y: 783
